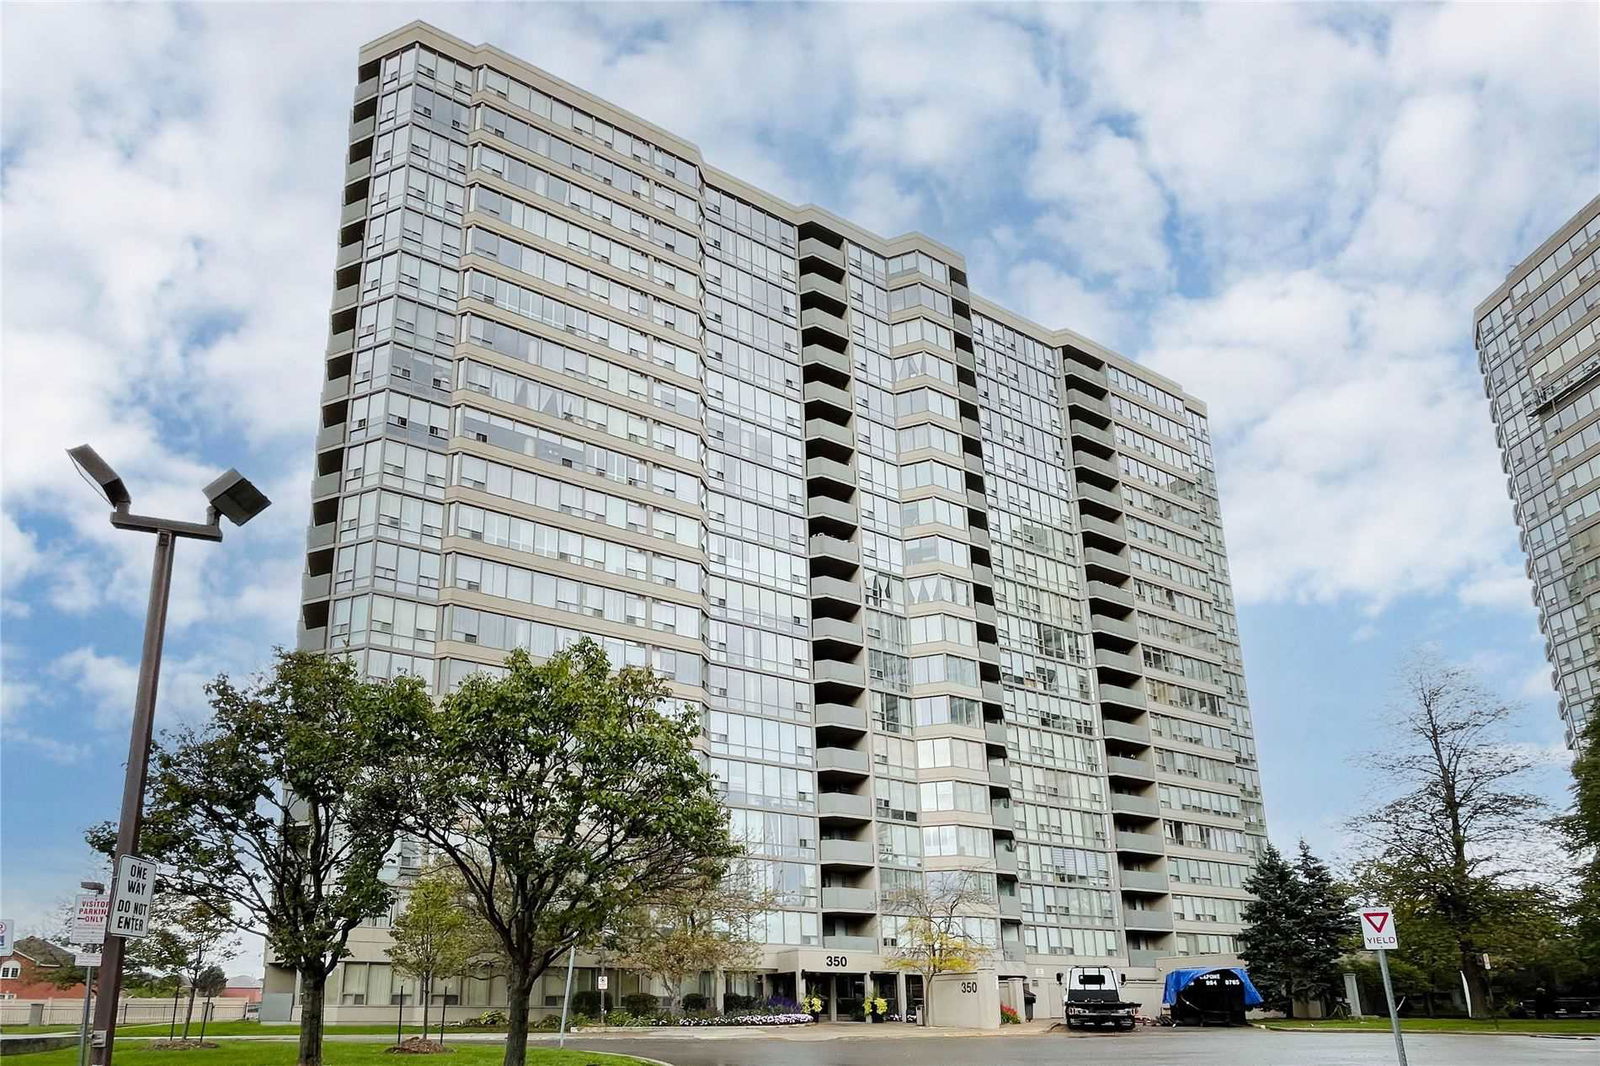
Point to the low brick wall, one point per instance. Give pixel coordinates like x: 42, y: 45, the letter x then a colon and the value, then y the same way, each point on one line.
x: 28, y: 1044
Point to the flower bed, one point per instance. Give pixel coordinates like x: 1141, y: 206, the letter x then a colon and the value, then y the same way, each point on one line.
x: 748, y: 1019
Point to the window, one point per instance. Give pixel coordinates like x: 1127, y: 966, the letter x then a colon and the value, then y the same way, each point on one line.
x: 10, y: 971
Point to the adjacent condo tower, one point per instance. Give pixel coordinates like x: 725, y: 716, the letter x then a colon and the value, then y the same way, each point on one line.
x: 1540, y: 357
x: 947, y: 587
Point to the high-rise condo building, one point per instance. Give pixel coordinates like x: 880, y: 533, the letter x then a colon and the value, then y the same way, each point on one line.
x: 1540, y: 357
x: 947, y: 587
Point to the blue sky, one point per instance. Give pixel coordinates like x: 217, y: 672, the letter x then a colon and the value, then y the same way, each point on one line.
x: 1292, y: 209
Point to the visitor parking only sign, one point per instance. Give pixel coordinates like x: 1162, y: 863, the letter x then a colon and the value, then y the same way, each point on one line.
x: 1377, y: 929
x: 131, y: 898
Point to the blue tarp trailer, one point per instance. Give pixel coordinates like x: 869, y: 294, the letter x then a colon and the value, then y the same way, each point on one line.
x: 1214, y: 995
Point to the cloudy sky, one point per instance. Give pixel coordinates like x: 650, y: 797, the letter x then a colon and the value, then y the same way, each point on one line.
x: 1292, y: 209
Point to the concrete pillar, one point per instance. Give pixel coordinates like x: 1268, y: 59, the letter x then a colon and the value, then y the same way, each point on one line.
x: 1352, y: 993
x: 902, y: 1007
x: 833, y: 997
x: 799, y: 984
x: 719, y: 986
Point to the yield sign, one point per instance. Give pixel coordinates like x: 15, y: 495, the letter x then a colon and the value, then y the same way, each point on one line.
x: 1377, y: 929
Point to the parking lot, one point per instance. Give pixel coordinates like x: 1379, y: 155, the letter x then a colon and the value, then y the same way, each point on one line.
x: 860, y: 1046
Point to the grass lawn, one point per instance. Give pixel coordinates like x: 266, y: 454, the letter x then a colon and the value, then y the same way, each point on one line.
x: 233, y: 1029
x: 248, y: 1053
x: 1563, y: 1026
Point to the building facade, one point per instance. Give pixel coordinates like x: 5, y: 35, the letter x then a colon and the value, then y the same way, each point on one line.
x: 1539, y: 353
x: 948, y: 588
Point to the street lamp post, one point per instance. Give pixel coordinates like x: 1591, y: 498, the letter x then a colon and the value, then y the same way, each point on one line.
x: 230, y: 496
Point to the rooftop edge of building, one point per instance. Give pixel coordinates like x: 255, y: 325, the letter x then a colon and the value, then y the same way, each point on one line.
x: 1562, y: 234
x: 425, y: 33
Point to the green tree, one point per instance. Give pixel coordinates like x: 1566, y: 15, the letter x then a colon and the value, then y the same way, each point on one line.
x: 1455, y: 818
x: 1272, y: 938
x: 279, y: 811
x: 1581, y: 828
x: 434, y: 937
x: 210, y: 983
x: 692, y: 928
x: 1324, y: 928
x: 564, y: 794
x: 933, y: 936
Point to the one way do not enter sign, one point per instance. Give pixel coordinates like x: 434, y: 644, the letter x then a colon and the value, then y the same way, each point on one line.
x: 1377, y: 929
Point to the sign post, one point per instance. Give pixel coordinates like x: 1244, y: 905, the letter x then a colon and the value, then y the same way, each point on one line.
x: 6, y: 925
x: 601, y: 983
x: 89, y: 933
x: 131, y: 897
x: 1378, y: 934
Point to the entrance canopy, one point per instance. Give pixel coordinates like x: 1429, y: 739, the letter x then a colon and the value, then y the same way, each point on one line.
x: 1178, y: 980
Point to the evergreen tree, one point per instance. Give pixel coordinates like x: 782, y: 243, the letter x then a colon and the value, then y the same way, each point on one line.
x: 1581, y: 827
x: 1324, y: 924
x: 1271, y: 939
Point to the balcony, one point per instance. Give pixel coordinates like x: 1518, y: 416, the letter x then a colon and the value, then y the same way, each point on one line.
x: 1104, y: 560
x: 844, y: 805
x: 1086, y: 401
x: 1131, y: 732
x: 1147, y: 920
x: 337, y: 389
x: 992, y: 693
x: 1106, y: 498
x: 999, y: 772
x: 815, y: 318
x: 342, y: 341
x: 1117, y: 627
x: 1115, y: 660
x: 845, y: 853
x: 838, y: 510
x: 823, y: 469
x: 358, y: 170
x: 353, y: 212
x: 311, y: 639
x: 995, y: 733
x: 1143, y: 806
x: 832, y: 671
x: 1122, y: 696
x: 820, y: 392
x: 821, y: 354
x: 850, y: 899
x: 841, y: 716
x: 321, y: 536
x: 836, y: 629
x: 366, y: 89
x: 1144, y: 957
x: 1005, y: 860
x: 864, y: 944
x: 1087, y: 432
x: 1112, y: 531
x: 325, y: 485
x: 843, y: 760
x: 1130, y: 769
x: 986, y: 613
x: 974, y: 463
x: 977, y: 500
x: 811, y: 248
x: 832, y: 432
x: 314, y: 587
x: 349, y: 255
x: 831, y: 588
x: 1003, y: 817
x: 362, y: 129
x: 330, y: 436
x: 346, y: 298
x: 982, y: 575
x: 1081, y: 367
x: 1103, y: 467
x: 1011, y: 907
x: 824, y: 286
x: 1140, y: 843
x: 1143, y: 881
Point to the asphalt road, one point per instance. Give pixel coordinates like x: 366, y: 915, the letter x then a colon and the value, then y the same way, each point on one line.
x: 1211, y: 1047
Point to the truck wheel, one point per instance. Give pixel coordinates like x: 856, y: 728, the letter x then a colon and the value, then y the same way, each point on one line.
x: 1125, y: 1024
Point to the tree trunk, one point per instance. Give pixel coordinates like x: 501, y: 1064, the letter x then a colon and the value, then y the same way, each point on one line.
x: 188, y: 1012
x: 205, y: 1013
x: 424, y: 987
x: 519, y: 985
x: 1477, y: 979
x: 313, y: 984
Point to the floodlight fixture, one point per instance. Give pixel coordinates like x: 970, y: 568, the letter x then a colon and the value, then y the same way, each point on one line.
x: 98, y: 473
x: 236, y: 498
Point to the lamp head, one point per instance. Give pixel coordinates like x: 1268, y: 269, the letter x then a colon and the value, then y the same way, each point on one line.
x: 98, y: 473
x: 236, y: 498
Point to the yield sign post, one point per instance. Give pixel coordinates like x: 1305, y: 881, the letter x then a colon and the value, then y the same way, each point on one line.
x: 1378, y: 934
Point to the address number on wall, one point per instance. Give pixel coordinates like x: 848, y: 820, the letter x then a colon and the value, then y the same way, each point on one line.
x: 836, y: 960
x: 969, y: 986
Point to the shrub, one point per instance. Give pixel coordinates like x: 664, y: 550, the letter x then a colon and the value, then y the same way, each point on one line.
x: 1008, y: 1016
x: 640, y: 1003
x: 733, y: 1003
x: 487, y: 1020
x: 550, y: 1023
x: 586, y: 1003
x: 696, y: 1001
x: 779, y: 1005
